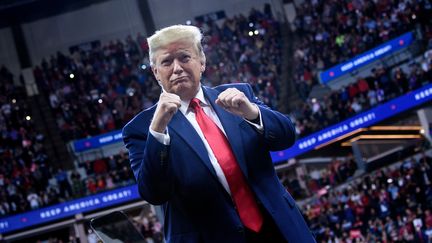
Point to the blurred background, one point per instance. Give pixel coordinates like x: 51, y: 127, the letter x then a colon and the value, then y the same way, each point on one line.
x: 353, y: 75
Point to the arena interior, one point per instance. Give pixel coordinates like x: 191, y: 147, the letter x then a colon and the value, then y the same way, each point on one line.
x: 353, y: 75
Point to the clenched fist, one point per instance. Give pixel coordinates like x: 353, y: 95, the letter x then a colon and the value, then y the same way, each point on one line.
x: 236, y: 102
x: 168, y: 105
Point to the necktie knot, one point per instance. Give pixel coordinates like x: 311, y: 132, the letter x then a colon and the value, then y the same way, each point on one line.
x: 195, y: 104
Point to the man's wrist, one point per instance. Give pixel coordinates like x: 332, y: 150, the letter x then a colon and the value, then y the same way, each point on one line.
x: 254, y: 116
x: 157, y: 127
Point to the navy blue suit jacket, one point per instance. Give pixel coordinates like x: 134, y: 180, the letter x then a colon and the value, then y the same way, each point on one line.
x: 181, y: 176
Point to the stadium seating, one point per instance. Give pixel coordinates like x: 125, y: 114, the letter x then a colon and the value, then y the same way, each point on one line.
x: 97, y: 91
x: 392, y: 204
x: 29, y: 179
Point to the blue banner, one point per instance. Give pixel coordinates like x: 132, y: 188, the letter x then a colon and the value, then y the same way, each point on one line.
x: 364, y: 119
x: 97, y: 141
x: 69, y: 209
x: 367, y: 57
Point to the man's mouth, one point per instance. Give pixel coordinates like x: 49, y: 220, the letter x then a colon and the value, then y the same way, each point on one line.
x: 179, y: 80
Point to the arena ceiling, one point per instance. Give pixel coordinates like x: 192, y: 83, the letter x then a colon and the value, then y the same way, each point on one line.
x: 14, y: 12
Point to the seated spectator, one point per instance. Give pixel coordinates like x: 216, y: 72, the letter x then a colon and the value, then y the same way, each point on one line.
x: 386, y: 205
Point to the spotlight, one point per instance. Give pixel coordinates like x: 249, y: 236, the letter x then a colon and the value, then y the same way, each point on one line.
x: 188, y: 22
x: 143, y: 67
x: 13, y: 101
x: 251, y: 24
x: 28, y: 118
x: 256, y: 32
x: 71, y: 76
x: 100, y: 101
x: 251, y: 33
x: 389, y: 180
x: 130, y: 91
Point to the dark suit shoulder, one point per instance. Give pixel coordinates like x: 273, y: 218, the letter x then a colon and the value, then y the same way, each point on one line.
x: 239, y: 86
x: 243, y: 87
x: 140, y: 121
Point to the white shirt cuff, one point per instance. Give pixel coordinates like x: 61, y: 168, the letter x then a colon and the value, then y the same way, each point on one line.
x: 162, y: 138
x: 259, y: 126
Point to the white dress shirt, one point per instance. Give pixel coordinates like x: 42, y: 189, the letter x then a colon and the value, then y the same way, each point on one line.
x: 164, y: 138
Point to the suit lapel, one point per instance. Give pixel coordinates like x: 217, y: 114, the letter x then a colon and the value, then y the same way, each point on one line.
x: 180, y: 125
x: 231, y: 125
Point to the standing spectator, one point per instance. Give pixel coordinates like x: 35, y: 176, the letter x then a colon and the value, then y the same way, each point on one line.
x: 63, y: 182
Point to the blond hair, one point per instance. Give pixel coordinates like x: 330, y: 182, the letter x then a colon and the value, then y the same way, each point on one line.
x: 175, y: 33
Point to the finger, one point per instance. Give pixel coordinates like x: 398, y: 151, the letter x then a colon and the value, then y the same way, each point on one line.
x: 225, y: 93
x: 171, y: 103
x: 226, y: 96
x: 237, y: 100
x: 220, y: 103
x: 170, y: 98
x: 172, y: 109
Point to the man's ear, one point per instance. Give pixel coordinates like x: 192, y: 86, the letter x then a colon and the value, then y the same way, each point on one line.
x: 155, y: 73
x: 203, y: 66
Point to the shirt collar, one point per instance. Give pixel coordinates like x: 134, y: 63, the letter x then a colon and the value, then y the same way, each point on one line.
x: 184, y: 104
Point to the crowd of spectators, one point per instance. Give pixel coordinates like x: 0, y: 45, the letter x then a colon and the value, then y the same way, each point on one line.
x: 245, y: 50
x: 103, y: 174
x: 150, y: 228
x: 331, y: 32
x: 336, y: 172
x: 392, y: 204
x: 99, y: 90
x: 319, y: 179
x: 29, y: 179
x: 383, y: 85
x: 43, y: 184
x: 24, y: 165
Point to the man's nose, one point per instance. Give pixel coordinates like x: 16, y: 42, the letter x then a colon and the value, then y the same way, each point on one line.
x: 177, y: 66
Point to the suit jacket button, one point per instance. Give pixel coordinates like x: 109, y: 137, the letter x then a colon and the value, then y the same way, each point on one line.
x: 240, y: 229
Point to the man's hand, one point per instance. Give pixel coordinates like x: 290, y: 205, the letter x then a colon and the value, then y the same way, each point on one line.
x: 236, y: 102
x: 168, y: 105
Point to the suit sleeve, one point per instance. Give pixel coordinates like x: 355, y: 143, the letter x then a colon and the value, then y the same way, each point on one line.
x: 279, y: 131
x: 150, y: 165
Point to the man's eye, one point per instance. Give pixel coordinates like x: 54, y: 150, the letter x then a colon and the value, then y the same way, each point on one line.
x: 185, y: 58
x: 166, y: 62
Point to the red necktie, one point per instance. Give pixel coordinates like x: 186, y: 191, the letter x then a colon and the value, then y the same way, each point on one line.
x: 244, y: 200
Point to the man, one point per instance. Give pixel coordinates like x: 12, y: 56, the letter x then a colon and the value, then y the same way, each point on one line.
x: 204, y: 153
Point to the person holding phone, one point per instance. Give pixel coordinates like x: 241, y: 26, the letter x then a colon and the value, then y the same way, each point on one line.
x: 204, y: 153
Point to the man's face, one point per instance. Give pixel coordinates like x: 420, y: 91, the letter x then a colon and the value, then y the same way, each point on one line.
x: 178, y: 69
